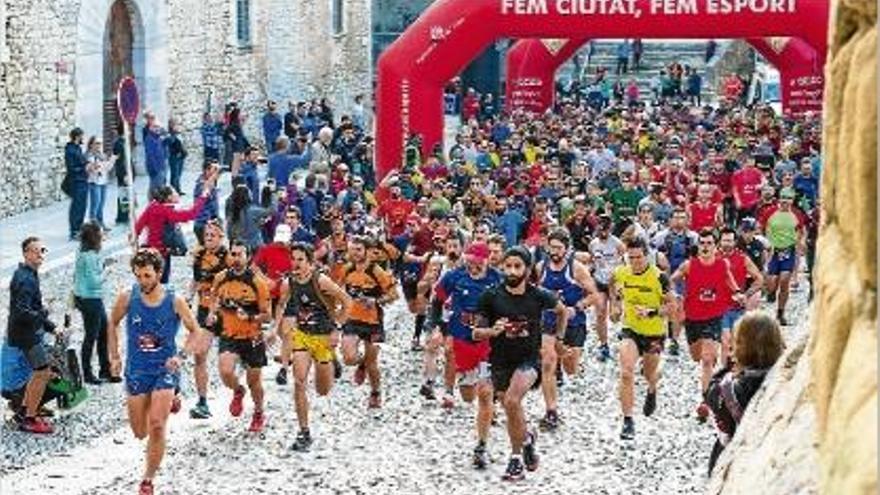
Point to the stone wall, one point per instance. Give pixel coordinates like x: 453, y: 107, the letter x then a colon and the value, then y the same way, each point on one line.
x: 813, y: 429
x: 844, y: 350
x: 50, y: 72
x: 307, y: 60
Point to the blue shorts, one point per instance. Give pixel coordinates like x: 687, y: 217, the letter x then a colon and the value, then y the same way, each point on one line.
x: 145, y: 383
x: 782, y: 260
x: 729, y: 318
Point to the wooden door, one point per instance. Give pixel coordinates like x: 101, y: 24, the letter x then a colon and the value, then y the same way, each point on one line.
x: 118, y: 42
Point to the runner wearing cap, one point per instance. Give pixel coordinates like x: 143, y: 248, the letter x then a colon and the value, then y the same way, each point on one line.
x: 462, y: 288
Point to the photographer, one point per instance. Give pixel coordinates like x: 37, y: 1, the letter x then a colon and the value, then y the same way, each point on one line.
x: 28, y: 324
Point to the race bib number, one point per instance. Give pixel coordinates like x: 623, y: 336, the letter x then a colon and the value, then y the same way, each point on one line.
x: 516, y: 329
x: 148, y: 342
x: 707, y: 295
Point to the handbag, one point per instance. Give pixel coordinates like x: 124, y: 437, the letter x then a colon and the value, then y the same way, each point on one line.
x: 66, y: 185
x: 173, y: 240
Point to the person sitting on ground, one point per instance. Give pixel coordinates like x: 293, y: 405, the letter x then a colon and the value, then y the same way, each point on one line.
x: 757, y: 345
x: 15, y: 373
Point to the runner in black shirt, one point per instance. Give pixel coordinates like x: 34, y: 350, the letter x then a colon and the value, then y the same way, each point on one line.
x: 510, y: 315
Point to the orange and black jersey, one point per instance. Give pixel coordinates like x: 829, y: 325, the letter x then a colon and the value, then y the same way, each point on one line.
x: 246, y: 290
x: 206, y: 265
x: 364, y: 286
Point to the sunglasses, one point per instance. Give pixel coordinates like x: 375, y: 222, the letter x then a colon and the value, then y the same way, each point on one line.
x: 42, y: 250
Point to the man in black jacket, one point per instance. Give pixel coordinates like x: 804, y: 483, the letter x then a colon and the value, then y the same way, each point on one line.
x: 28, y: 323
x: 75, y: 165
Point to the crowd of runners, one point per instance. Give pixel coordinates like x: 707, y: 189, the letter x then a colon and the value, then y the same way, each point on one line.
x: 536, y: 243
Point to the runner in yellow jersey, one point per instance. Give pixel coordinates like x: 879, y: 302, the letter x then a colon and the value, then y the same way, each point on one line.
x: 639, y: 292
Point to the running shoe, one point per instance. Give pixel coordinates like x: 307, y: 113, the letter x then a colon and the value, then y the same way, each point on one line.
x: 550, y: 421
x: 416, y: 346
x: 481, y: 457
x: 604, y: 353
x: 200, y: 411
x: 375, y: 401
x: 36, y: 425
x: 629, y: 429
x: 236, y: 405
x: 303, y: 442
x: 360, y: 374
x: 530, y: 454
x: 257, y: 422
x: 281, y: 377
x: 427, y: 391
x: 674, y: 348
x: 175, y: 404
x: 146, y: 488
x: 448, y: 401
x: 337, y: 369
x: 703, y: 412
x: 650, y: 403
x: 514, y: 470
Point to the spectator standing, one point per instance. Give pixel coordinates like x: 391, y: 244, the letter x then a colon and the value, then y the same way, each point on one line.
x: 155, y: 152
x: 75, y: 167
x: 120, y: 169
x: 637, y: 50
x: 176, y: 154
x: 98, y: 169
x: 211, y: 209
x: 88, y: 292
x: 757, y: 345
x: 272, y: 125
x: 623, y: 54
x: 212, y: 138
x: 27, y: 326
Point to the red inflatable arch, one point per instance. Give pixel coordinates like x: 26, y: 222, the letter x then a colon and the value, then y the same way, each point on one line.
x: 532, y: 66
x: 450, y: 33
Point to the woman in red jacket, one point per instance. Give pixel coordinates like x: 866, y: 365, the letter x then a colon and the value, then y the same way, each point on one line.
x: 160, y: 212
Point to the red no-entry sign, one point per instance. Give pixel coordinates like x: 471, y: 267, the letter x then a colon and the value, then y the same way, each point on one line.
x: 127, y: 100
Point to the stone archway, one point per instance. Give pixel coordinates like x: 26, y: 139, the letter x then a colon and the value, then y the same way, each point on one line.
x: 148, y: 28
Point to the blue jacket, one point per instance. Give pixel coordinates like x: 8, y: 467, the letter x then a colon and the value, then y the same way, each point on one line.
x: 272, y: 125
x: 15, y: 371
x: 154, y: 151
x: 211, y: 208
x: 27, y: 316
x: 281, y: 165
x: 75, y: 162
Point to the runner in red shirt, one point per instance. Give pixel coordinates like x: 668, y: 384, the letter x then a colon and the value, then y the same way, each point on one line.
x: 745, y: 274
x: 708, y: 281
x: 393, y: 209
x: 746, y: 184
x: 273, y: 262
x: 706, y: 212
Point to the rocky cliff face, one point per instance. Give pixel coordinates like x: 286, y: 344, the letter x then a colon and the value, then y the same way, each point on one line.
x: 814, y: 427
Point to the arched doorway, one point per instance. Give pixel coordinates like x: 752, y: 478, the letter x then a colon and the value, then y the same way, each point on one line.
x: 118, y: 63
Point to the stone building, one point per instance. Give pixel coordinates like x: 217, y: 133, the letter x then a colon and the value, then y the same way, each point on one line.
x: 61, y: 60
